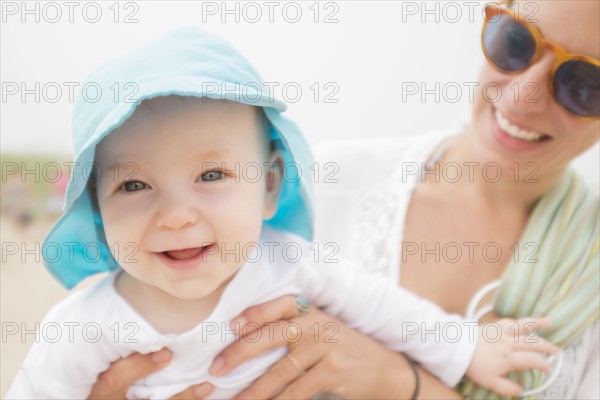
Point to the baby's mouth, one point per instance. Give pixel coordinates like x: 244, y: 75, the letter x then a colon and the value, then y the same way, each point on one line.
x: 185, y: 254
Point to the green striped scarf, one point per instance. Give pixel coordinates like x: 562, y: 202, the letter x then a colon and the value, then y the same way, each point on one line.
x: 560, y: 280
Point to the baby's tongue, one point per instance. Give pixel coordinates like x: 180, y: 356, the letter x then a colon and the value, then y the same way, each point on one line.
x: 184, y: 254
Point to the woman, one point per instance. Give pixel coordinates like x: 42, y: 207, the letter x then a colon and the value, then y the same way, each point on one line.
x: 512, y: 206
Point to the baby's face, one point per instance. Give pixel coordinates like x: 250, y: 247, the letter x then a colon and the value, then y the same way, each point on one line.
x: 179, y: 194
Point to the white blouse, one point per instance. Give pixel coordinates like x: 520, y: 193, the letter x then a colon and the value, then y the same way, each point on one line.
x: 362, y: 195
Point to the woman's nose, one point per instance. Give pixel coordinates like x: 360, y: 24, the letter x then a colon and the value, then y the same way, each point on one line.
x: 530, y: 91
x: 176, y: 211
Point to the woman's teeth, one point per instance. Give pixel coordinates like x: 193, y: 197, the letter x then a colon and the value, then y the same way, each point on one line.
x: 515, y: 131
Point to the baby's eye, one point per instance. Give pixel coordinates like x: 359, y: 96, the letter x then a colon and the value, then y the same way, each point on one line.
x: 132, y: 186
x: 212, y: 176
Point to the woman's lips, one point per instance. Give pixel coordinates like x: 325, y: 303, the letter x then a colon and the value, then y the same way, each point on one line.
x: 184, y: 259
x: 511, y: 142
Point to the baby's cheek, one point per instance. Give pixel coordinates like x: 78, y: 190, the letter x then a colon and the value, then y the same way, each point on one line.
x: 241, y: 234
x: 121, y: 239
x: 113, y: 243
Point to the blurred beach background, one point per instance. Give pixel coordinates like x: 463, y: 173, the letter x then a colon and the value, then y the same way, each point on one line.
x: 366, y: 59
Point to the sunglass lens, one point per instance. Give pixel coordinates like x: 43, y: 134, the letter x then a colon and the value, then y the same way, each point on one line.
x: 508, y: 43
x: 577, y: 87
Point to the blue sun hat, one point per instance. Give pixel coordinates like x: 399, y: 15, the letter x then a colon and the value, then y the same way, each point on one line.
x: 185, y: 62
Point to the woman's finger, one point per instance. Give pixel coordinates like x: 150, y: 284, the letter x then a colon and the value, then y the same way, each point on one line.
x: 253, y: 318
x: 280, y: 375
x: 268, y: 337
x: 113, y: 383
x: 195, y: 392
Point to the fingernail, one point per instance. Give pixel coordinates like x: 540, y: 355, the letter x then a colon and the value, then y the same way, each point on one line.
x: 202, y: 390
x: 238, y: 324
x: 161, y: 356
x: 217, y: 366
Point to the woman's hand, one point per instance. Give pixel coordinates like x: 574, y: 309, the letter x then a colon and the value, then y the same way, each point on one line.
x: 324, y: 356
x: 114, y: 382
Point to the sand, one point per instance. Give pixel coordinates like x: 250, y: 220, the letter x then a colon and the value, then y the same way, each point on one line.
x: 28, y: 291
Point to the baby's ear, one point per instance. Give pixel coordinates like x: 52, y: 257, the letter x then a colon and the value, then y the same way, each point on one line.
x: 273, y: 181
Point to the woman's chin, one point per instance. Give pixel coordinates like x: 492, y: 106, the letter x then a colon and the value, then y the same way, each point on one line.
x: 486, y: 156
x: 485, y: 152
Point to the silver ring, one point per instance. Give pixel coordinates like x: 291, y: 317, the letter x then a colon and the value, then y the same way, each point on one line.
x: 296, y: 364
x: 302, y: 304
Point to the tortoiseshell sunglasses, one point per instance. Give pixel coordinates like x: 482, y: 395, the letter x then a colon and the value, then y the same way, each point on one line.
x: 512, y: 44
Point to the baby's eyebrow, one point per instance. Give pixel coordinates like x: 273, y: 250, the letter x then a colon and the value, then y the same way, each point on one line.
x: 112, y: 167
x: 129, y: 169
x: 212, y: 154
x: 120, y: 165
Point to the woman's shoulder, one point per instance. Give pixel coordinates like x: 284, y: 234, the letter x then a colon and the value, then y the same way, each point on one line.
x: 373, y: 147
x: 367, y: 163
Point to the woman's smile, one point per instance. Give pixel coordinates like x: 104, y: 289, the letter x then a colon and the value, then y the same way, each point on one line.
x: 515, y: 137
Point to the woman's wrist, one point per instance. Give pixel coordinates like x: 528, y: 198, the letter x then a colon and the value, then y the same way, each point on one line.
x: 403, y: 380
x: 417, y: 379
x: 400, y: 379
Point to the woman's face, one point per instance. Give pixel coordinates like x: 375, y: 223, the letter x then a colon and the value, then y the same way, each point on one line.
x: 526, y: 99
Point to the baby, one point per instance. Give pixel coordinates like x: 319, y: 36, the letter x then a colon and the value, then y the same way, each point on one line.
x: 192, y: 205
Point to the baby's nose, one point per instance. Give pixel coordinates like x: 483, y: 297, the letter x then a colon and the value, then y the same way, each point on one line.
x: 176, y: 211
